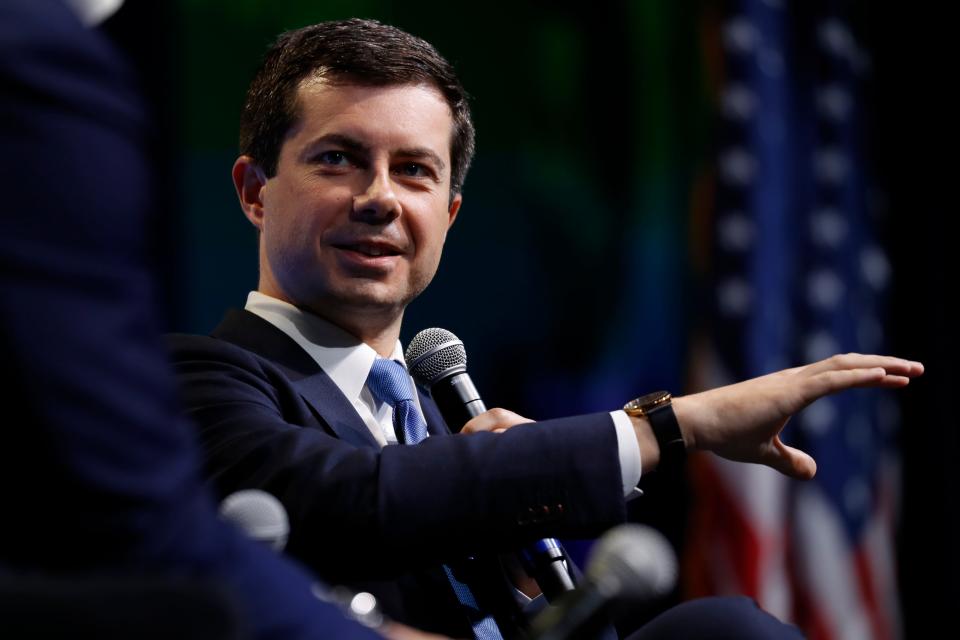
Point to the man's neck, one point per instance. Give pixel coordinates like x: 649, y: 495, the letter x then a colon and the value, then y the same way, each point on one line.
x: 377, y: 328
x: 383, y: 340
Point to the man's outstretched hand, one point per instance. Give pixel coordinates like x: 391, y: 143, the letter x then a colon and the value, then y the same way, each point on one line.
x: 743, y: 421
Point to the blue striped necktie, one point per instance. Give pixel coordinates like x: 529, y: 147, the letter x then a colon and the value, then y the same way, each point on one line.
x: 390, y: 383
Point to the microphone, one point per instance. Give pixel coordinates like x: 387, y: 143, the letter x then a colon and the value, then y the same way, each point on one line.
x: 631, y: 564
x: 437, y: 360
x: 259, y: 515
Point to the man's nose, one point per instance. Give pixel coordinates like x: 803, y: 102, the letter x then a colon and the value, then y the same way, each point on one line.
x: 378, y: 204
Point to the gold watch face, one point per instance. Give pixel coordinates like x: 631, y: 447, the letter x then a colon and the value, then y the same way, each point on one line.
x: 644, y: 404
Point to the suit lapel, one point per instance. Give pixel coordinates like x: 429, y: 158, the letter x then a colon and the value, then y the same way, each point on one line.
x: 255, y: 334
x: 328, y: 401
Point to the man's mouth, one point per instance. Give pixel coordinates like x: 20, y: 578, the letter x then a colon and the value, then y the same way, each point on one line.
x: 370, y: 249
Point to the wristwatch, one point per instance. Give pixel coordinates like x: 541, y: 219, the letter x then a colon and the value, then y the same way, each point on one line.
x: 657, y: 407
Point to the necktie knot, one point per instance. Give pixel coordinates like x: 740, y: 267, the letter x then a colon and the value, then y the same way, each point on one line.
x: 389, y: 382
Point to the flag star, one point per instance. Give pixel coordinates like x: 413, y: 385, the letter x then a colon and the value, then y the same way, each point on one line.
x: 820, y: 345
x: 735, y: 297
x: 736, y: 231
x: 828, y: 228
x: 740, y: 36
x: 819, y: 417
x: 834, y: 103
x: 875, y: 267
x: 825, y: 289
x: 831, y: 165
x: 737, y: 166
x: 835, y: 38
x: 739, y: 103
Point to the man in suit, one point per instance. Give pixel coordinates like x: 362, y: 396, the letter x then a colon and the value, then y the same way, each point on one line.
x: 355, y: 142
x: 108, y: 531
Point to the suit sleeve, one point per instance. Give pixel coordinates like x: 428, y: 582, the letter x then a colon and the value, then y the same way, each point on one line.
x: 102, y: 478
x: 357, y: 510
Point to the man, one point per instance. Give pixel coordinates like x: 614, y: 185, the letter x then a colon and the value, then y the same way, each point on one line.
x: 355, y: 141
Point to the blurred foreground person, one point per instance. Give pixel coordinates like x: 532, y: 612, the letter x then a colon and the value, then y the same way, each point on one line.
x: 106, y: 531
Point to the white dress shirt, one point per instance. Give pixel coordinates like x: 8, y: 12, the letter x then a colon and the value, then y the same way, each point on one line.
x: 348, y: 361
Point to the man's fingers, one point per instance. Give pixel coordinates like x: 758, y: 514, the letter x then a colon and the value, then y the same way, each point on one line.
x: 832, y: 381
x: 496, y: 420
x: 847, y: 361
x: 790, y: 461
x: 893, y: 382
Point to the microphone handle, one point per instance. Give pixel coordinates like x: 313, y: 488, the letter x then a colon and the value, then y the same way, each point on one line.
x: 545, y: 561
x: 459, y: 401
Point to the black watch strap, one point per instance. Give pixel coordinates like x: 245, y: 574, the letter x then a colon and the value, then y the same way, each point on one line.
x: 666, y: 430
x: 657, y: 407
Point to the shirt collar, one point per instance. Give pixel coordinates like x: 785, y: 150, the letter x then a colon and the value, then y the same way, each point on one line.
x: 341, y: 355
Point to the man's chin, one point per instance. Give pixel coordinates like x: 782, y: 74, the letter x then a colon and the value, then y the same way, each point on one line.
x: 367, y: 300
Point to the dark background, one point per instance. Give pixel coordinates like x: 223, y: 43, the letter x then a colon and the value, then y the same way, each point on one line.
x: 572, y: 273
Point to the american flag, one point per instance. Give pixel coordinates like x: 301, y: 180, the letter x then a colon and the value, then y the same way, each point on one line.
x: 797, y: 274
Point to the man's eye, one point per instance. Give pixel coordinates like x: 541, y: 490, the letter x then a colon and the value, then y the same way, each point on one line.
x: 336, y: 158
x: 413, y: 170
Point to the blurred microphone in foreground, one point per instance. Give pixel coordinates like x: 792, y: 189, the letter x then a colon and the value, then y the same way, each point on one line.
x: 259, y: 515
x: 631, y: 566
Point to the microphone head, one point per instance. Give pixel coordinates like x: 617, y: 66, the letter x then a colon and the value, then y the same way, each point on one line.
x: 434, y: 354
x: 633, y: 562
x: 259, y: 515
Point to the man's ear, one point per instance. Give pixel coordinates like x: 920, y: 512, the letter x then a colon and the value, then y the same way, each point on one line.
x: 249, y: 180
x: 454, y: 208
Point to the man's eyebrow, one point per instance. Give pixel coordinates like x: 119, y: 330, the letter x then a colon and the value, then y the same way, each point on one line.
x: 423, y: 152
x: 351, y: 144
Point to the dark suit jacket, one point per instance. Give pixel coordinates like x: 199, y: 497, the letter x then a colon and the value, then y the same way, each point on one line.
x: 375, y: 518
x: 100, y: 483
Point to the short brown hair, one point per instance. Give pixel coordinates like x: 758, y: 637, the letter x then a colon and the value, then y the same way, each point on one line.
x: 364, y: 52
